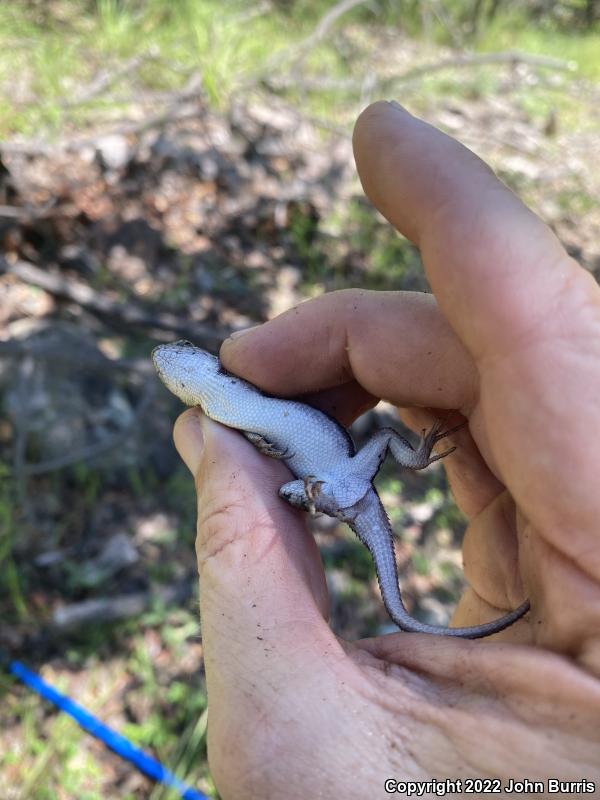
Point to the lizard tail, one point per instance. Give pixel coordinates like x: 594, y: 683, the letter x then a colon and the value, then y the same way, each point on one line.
x: 372, y: 526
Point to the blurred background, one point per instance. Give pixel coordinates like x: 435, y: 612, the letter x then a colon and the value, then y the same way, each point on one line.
x: 184, y: 168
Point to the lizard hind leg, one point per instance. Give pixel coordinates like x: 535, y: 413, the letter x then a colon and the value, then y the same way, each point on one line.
x: 366, y: 462
x: 305, y: 493
x: 294, y: 492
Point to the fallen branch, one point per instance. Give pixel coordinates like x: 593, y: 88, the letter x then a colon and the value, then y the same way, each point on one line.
x: 105, y: 79
x: 512, y: 57
x: 12, y: 212
x: 324, y: 82
x: 110, y: 609
x: 124, y: 313
x: 92, y: 451
x: 171, y: 114
x: 28, y: 213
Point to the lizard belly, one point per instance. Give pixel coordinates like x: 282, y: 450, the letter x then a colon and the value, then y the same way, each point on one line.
x: 349, y: 490
x: 337, y: 492
x: 313, y: 443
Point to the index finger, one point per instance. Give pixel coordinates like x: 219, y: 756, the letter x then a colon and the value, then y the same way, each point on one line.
x: 495, y: 268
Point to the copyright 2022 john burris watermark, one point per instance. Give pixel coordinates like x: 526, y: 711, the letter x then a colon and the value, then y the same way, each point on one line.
x: 480, y: 786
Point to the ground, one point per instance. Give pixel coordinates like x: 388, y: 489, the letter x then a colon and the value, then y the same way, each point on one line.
x: 197, y: 215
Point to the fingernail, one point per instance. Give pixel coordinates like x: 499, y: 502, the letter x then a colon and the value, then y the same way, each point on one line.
x: 396, y: 105
x: 237, y: 334
x: 188, y: 436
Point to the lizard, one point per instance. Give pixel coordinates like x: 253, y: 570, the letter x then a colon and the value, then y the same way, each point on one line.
x: 330, y: 475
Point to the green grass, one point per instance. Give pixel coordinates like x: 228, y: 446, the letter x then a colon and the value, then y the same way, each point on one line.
x: 45, y: 753
x: 582, y: 48
x: 49, y: 751
x: 11, y: 589
x: 512, y: 33
x: 49, y: 58
x: 50, y: 52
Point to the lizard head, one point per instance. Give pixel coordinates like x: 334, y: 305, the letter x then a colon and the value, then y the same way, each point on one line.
x: 186, y: 370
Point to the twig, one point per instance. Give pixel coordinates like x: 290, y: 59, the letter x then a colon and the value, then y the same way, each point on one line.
x: 297, y: 53
x: 512, y: 57
x: 319, y: 83
x: 12, y: 212
x: 251, y: 13
x: 326, y: 23
x: 92, y: 451
x: 105, y: 79
x: 28, y: 212
x: 445, y: 21
x: 108, y: 609
x: 172, y: 113
x: 125, y: 313
x: 39, y: 148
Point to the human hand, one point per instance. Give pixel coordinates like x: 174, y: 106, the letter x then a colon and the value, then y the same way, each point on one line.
x: 510, y: 341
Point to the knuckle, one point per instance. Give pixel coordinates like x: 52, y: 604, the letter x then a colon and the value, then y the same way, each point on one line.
x: 217, y: 529
x: 225, y: 529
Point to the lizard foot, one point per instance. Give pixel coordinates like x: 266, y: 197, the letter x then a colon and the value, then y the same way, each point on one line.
x: 312, y: 490
x: 430, y: 438
x: 306, y: 493
x: 266, y: 448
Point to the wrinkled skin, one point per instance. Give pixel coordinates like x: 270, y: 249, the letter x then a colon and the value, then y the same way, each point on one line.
x: 511, y: 340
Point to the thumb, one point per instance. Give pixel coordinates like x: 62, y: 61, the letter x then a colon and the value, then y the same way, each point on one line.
x: 261, y: 578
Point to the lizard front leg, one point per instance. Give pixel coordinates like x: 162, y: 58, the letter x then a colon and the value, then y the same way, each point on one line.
x: 266, y: 448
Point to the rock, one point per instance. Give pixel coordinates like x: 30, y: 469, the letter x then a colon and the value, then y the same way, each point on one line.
x: 113, y: 151
x: 118, y: 553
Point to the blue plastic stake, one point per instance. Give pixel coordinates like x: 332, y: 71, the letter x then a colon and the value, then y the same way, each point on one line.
x: 122, y: 746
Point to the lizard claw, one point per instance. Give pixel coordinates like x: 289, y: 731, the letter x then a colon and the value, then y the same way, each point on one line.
x: 438, y: 456
x: 437, y: 436
x: 430, y: 438
x: 312, y: 489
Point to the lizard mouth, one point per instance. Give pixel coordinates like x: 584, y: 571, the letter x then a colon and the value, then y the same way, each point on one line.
x: 159, y: 357
x: 165, y: 353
